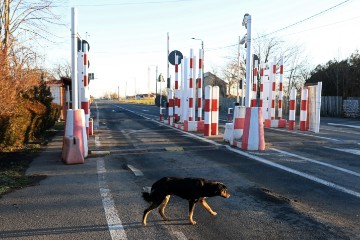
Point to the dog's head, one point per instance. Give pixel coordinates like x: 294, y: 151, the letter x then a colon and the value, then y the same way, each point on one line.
x: 222, y: 190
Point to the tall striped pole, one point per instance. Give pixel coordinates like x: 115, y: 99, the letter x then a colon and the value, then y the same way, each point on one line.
x: 215, y: 111
x: 262, y: 70
x: 200, y: 80
x: 292, y: 109
x: 273, y: 90
x: 167, y: 75
x: 177, y: 100
x: 303, y: 109
x: 207, y: 111
x: 171, y: 107
x: 281, y: 88
x: 74, y: 79
x: 85, y: 96
x: 254, y: 90
x: 191, y: 92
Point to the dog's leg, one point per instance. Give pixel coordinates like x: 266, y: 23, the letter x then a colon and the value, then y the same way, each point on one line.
x: 147, y: 211
x: 207, y: 207
x: 162, y: 207
x: 191, y: 211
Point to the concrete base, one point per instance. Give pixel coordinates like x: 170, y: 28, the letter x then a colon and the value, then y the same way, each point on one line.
x: 71, y: 153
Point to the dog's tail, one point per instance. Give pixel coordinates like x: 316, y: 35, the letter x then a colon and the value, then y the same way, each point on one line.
x: 147, y: 196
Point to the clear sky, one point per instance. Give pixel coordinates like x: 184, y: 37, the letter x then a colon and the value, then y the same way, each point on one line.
x: 127, y: 37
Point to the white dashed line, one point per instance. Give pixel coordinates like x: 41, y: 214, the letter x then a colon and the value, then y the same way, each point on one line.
x: 136, y: 171
x: 117, y: 231
x: 179, y: 235
x: 318, y: 162
x: 345, y: 125
x: 293, y: 171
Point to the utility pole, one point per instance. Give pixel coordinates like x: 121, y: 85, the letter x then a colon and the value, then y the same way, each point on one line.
x: 239, y: 74
x: 247, y: 24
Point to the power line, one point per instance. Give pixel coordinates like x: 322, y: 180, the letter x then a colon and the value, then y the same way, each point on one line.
x: 304, y: 20
x: 127, y: 3
x: 289, y: 26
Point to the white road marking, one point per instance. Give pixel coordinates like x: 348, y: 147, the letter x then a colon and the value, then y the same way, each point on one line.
x: 293, y: 171
x: 318, y: 162
x: 117, y: 231
x: 262, y: 160
x: 96, y: 123
x: 136, y: 171
x: 179, y: 235
x: 97, y: 141
x: 347, y: 150
x: 345, y: 125
x: 304, y: 134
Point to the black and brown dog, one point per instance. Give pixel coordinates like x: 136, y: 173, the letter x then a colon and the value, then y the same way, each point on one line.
x: 193, y: 189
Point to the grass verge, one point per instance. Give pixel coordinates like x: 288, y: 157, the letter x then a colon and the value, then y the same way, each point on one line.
x: 13, y: 165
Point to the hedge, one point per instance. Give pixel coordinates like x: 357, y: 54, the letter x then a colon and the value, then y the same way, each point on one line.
x: 30, y: 120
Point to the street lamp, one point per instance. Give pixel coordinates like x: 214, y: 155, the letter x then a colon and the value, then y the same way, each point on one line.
x: 202, y: 49
x: 156, y: 77
x: 247, y: 24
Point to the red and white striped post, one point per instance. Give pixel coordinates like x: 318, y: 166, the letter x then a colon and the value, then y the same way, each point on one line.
x: 171, y: 107
x: 85, y: 96
x: 292, y: 109
x: 191, y: 92
x: 303, y: 109
x: 262, y: 70
x: 281, y: 88
x: 200, y: 80
x: 273, y: 90
x: 238, y: 121
x: 254, y: 90
x: 215, y: 111
x: 207, y: 111
x: 177, y: 100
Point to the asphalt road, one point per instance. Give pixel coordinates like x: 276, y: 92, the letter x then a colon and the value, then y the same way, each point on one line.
x: 303, y: 186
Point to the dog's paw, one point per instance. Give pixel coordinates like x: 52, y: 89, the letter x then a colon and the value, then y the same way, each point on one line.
x: 193, y: 222
x: 214, y: 213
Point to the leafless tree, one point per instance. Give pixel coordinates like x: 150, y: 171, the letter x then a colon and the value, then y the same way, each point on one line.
x: 296, y: 68
x: 62, y: 70
x: 24, y: 21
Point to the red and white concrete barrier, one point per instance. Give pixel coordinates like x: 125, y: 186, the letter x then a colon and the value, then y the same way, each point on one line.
x: 303, y: 109
x: 234, y: 130
x: 292, y: 109
x: 253, y: 136
x: 215, y: 111
x: 207, y: 111
x: 239, y: 120
x: 75, y: 127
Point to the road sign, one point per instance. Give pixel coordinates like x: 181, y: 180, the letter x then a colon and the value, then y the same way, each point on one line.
x: 172, y: 55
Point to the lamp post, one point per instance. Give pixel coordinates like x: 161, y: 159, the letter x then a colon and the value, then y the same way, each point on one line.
x: 247, y: 24
x: 202, y: 48
x: 156, y: 77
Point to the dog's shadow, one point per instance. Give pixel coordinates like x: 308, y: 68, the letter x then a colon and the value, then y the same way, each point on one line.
x: 154, y: 223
